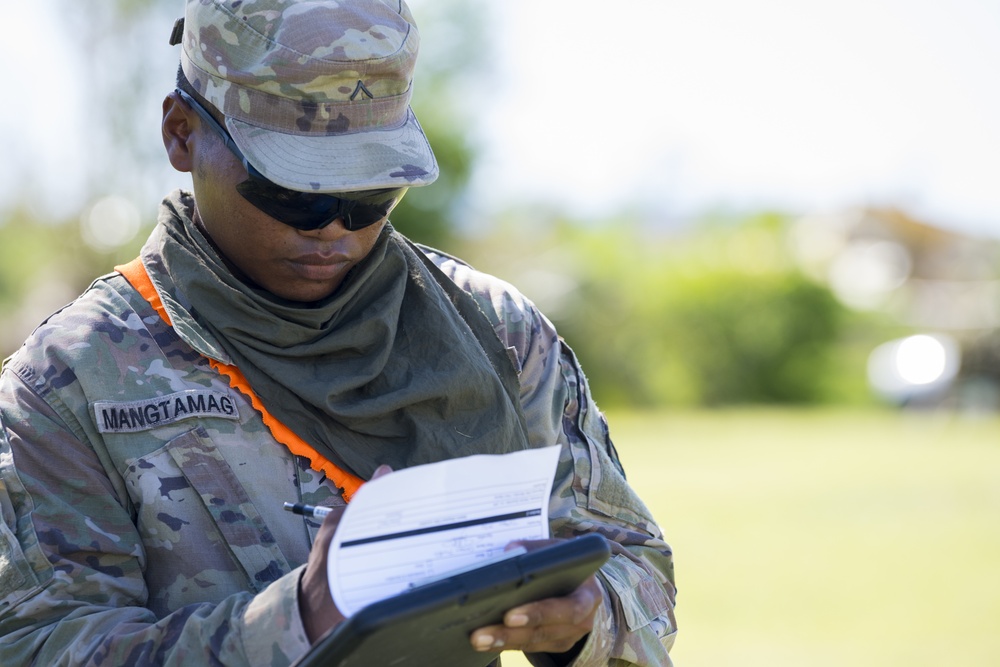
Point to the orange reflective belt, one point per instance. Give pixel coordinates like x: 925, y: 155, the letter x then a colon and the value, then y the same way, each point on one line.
x: 135, y: 273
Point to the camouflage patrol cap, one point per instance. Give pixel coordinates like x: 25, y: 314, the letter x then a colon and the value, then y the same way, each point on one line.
x: 315, y: 92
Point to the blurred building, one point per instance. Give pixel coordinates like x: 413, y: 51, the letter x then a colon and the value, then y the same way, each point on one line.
x: 939, y: 285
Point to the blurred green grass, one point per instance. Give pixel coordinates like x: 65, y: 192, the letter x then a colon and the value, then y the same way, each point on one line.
x: 824, y: 537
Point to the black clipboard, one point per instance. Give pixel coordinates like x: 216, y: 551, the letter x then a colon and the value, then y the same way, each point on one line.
x: 429, y: 626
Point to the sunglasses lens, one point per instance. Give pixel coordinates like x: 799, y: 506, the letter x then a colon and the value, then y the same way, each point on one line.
x: 302, y: 210
x: 311, y: 210
x: 362, y: 215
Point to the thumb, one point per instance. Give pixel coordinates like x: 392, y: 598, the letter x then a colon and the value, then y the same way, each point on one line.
x: 381, y: 471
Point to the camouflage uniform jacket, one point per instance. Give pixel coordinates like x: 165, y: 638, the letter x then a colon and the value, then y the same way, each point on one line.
x: 141, y: 496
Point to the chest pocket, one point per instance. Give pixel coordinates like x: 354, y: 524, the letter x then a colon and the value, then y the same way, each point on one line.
x: 203, y: 537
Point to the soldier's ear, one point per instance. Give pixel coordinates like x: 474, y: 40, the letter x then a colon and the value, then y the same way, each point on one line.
x: 177, y: 128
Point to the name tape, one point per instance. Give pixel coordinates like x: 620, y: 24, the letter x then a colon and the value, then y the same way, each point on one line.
x: 133, y: 416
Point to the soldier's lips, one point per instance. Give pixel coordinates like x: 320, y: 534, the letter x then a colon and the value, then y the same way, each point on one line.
x: 319, y: 266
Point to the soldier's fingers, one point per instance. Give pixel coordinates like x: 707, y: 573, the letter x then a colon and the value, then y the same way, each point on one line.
x: 574, y: 609
x: 543, y: 639
x: 554, y: 625
x: 381, y: 471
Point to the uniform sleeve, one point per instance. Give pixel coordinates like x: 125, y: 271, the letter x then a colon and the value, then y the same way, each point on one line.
x: 72, y: 588
x: 635, y: 625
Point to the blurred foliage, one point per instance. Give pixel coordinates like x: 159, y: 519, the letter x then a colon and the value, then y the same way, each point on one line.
x: 454, y: 57
x: 126, y: 79
x: 749, y: 338
x: 44, y: 264
x: 716, y: 315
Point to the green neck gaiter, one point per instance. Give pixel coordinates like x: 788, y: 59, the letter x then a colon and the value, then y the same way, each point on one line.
x: 398, y: 366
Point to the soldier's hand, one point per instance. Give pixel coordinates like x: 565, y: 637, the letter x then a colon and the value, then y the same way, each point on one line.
x: 553, y: 625
x: 316, y: 606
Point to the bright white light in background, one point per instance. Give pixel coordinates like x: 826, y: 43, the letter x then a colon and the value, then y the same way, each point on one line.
x: 921, y: 359
x: 917, y: 365
x: 110, y: 223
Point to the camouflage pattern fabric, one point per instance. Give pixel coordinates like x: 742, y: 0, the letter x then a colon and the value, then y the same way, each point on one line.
x: 141, y: 497
x: 315, y: 94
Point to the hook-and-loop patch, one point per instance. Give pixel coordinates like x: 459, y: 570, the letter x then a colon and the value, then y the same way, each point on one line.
x: 133, y: 416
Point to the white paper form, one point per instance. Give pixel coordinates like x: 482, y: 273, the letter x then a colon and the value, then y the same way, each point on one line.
x: 424, y: 522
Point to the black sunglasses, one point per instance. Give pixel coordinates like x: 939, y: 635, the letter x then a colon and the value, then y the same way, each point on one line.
x: 302, y: 210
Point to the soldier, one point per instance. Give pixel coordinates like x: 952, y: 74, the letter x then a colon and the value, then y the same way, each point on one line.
x: 277, y: 340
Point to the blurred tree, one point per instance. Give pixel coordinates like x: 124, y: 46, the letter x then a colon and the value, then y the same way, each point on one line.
x: 42, y: 267
x: 455, y: 56
x: 125, y: 76
x: 717, y: 315
x: 751, y: 338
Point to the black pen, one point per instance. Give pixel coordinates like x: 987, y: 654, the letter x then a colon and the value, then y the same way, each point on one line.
x: 308, y: 510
